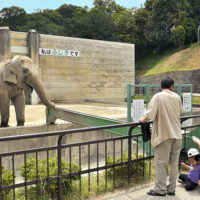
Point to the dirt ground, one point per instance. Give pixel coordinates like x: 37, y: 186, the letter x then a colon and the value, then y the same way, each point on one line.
x: 35, y: 114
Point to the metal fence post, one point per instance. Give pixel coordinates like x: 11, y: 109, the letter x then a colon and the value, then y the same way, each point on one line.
x: 129, y: 102
x: 179, y: 90
x: 147, y: 94
x: 130, y: 152
x: 191, y: 91
x: 59, y: 168
x: 50, y: 116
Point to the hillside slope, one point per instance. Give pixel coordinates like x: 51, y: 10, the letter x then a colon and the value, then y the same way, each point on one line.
x: 183, y: 60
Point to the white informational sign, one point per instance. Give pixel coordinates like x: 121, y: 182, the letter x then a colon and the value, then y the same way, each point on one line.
x: 59, y: 52
x: 187, y: 107
x: 187, y: 102
x: 138, y: 109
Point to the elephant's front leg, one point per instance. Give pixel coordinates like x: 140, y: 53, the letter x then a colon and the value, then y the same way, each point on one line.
x: 5, y: 112
x: 19, y: 103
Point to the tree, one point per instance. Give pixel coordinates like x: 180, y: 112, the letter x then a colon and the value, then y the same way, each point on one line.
x: 195, y: 6
x: 68, y: 11
x: 141, y: 17
x: 148, y: 5
x: 95, y: 24
x: 178, y: 36
x: 160, y: 23
x: 125, y: 24
x: 185, y: 19
x: 108, y: 6
x: 14, y: 17
x: 46, y: 22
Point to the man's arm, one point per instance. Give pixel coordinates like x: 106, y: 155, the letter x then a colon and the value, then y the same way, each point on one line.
x: 143, y: 120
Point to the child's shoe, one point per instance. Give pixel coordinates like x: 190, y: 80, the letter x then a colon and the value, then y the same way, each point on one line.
x: 180, y: 181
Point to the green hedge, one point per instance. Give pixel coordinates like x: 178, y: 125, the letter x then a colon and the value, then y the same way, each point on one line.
x: 53, y: 171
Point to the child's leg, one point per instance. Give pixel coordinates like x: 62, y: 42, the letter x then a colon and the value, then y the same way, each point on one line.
x: 190, y: 185
x: 196, y: 141
x: 183, y: 177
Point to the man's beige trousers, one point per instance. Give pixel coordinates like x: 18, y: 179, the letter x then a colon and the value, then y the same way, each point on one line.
x: 166, y: 153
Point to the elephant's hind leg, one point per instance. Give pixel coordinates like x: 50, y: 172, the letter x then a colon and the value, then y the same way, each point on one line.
x: 19, y: 103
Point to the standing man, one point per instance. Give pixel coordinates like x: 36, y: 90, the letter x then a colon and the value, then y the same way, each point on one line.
x: 164, y: 110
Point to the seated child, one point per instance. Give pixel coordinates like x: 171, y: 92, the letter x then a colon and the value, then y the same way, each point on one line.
x: 192, y: 179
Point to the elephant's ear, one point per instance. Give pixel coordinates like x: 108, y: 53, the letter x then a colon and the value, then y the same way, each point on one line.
x: 8, y: 75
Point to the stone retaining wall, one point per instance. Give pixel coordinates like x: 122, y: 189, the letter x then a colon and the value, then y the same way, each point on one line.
x: 182, y: 77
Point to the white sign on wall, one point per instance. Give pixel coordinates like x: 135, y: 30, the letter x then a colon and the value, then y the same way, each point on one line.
x: 187, y: 107
x: 58, y: 52
x: 187, y: 102
x: 138, y: 109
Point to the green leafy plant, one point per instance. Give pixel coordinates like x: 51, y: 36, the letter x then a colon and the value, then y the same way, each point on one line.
x: 7, y: 179
x: 137, y: 168
x: 52, y: 185
x: 178, y: 36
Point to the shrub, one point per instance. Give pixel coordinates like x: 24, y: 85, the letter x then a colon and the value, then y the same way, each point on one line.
x: 178, y: 36
x: 137, y: 168
x: 7, y: 179
x: 53, y: 171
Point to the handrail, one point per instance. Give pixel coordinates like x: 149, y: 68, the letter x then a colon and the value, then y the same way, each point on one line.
x: 65, y: 132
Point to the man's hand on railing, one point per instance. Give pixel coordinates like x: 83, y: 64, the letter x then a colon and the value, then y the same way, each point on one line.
x: 144, y: 120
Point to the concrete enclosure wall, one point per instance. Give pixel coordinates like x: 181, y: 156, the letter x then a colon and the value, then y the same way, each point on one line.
x: 100, y: 71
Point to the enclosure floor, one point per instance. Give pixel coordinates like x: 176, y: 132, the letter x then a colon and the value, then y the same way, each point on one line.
x: 35, y: 114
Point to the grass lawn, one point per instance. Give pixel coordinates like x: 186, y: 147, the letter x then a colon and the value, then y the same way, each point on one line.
x: 170, y: 61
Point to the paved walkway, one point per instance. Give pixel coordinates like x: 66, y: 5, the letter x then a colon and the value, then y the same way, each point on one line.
x: 140, y: 193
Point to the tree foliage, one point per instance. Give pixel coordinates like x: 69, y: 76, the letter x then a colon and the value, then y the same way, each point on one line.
x: 178, y: 36
x: 14, y: 17
x: 159, y: 25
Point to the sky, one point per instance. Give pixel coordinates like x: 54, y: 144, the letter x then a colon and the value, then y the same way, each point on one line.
x: 31, y: 5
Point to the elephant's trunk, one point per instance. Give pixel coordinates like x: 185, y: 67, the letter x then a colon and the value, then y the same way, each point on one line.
x: 35, y: 83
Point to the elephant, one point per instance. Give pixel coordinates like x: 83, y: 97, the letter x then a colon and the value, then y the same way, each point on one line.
x: 16, y: 76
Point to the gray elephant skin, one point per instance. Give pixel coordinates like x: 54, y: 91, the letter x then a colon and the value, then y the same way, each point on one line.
x: 16, y: 76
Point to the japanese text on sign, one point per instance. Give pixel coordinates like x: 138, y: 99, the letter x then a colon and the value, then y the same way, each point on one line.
x: 138, y: 109
x: 58, y: 52
x: 187, y: 102
x: 187, y: 107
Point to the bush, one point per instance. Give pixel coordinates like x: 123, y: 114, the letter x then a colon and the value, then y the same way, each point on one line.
x: 137, y: 168
x: 7, y: 179
x: 178, y: 36
x: 53, y: 171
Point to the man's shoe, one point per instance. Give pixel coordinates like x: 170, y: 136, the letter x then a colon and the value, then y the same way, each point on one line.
x: 154, y: 193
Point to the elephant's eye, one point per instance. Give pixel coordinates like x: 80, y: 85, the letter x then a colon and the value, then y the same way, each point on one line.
x: 24, y: 70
